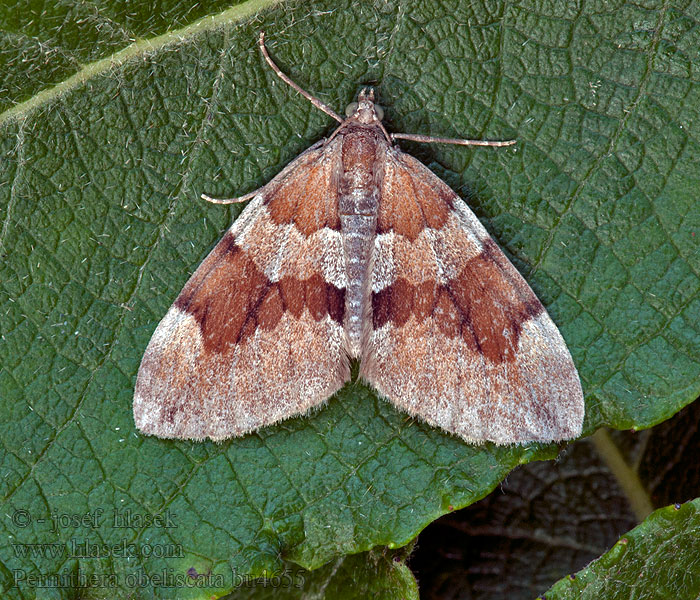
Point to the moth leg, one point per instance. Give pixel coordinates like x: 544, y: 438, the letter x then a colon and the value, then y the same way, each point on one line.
x: 230, y: 200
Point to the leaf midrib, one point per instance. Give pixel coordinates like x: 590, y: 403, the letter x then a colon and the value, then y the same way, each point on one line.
x: 132, y: 52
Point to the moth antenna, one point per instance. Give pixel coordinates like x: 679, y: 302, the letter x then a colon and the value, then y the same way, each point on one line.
x: 229, y: 200
x: 414, y: 137
x: 315, y: 101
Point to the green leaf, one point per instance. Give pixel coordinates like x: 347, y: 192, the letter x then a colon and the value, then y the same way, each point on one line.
x: 544, y: 521
x: 657, y: 559
x: 549, y: 520
x: 44, y: 44
x: 102, y: 164
x: 371, y: 574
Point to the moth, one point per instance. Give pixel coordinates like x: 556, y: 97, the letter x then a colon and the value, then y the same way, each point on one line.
x: 356, y: 250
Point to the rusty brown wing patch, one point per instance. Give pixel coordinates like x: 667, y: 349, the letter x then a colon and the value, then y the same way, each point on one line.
x: 256, y: 335
x: 458, y: 338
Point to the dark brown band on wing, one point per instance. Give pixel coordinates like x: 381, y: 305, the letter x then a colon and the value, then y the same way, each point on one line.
x: 411, y: 202
x: 486, y: 304
x: 230, y: 298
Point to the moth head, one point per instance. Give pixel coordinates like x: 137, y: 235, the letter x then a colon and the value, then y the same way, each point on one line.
x: 365, y: 110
